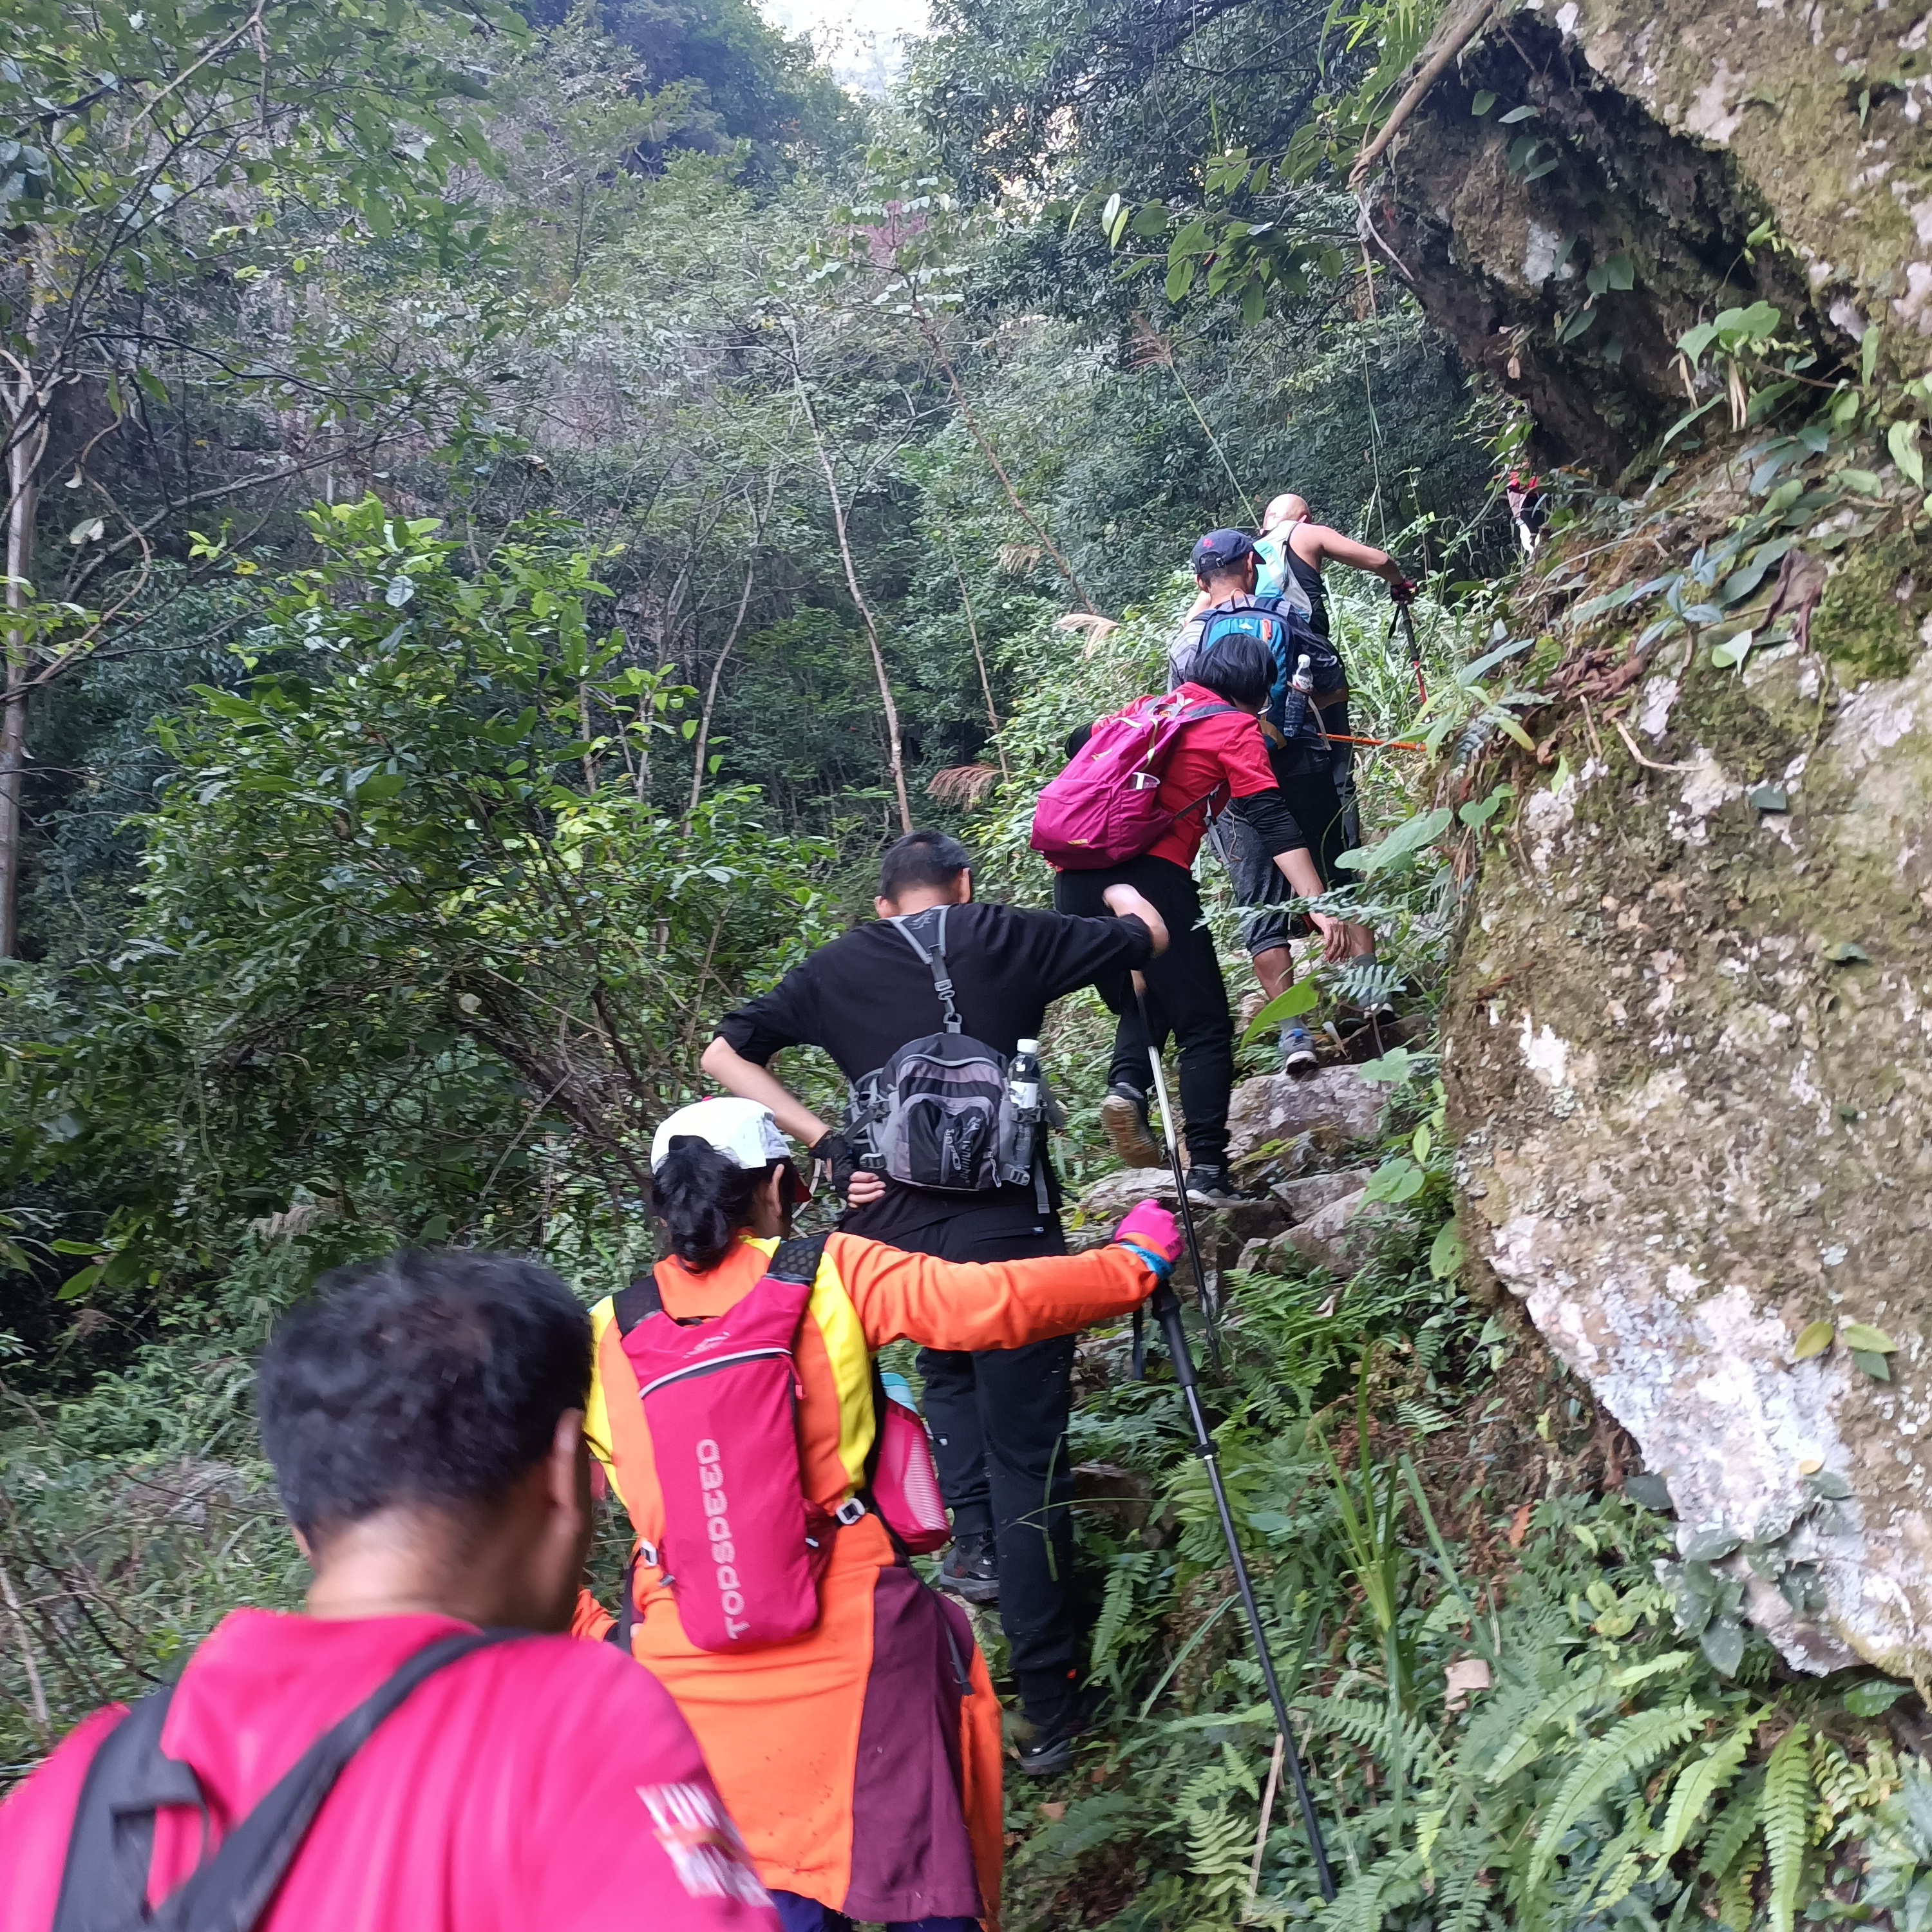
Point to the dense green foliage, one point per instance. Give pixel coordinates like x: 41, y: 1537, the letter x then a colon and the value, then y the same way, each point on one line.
x: 485, y: 499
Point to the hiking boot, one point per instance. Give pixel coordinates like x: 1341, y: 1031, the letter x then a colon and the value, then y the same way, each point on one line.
x: 971, y: 1571
x: 1123, y: 1115
x: 1297, y: 1052
x: 1215, y: 1187
x: 1049, y: 1749
x: 1047, y: 1752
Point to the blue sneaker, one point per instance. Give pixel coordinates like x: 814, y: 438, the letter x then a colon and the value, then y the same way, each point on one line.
x: 1297, y: 1052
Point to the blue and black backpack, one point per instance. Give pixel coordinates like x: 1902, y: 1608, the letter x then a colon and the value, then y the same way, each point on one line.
x: 1289, y: 636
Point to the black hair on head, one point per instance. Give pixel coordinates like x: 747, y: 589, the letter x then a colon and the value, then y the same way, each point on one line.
x: 704, y: 1199
x: 921, y: 859
x: 1238, y: 667
x: 435, y: 1379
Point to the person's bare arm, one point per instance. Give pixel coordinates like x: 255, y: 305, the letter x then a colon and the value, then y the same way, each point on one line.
x: 1297, y: 868
x: 1125, y: 903
x: 750, y: 1081
x: 1317, y: 544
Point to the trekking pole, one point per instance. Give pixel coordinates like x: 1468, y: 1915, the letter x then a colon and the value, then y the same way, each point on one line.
x: 1167, y: 1312
x: 1407, y: 619
x: 1209, y: 1314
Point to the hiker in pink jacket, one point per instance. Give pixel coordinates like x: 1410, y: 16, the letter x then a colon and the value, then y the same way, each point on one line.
x: 425, y: 1424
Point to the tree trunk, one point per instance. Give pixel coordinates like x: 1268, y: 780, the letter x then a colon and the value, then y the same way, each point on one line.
x: 23, y: 468
x: 886, y: 701
x: 979, y: 656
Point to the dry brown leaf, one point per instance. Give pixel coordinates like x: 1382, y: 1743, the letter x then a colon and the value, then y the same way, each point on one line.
x: 1520, y: 1526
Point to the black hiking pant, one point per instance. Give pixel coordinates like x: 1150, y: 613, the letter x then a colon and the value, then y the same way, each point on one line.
x: 999, y: 1428
x: 1187, y: 999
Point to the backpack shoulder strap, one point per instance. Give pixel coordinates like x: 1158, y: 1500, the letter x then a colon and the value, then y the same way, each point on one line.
x: 797, y: 1259
x: 105, y: 1883
x: 630, y: 1306
x: 934, y: 962
x: 230, y: 1891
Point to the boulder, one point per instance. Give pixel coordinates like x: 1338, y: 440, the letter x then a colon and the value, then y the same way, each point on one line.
x: 1340, y: 1237
x: 1224, y: 1232
x: 1275, y: 1119
x: 1093, y: 1219
x: 1309, y: 1194
x: 1687, y: 1041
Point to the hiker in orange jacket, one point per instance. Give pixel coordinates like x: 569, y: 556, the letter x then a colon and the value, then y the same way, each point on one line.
x: 861, y: 1760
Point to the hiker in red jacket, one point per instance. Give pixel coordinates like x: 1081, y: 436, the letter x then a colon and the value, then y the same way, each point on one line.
x: 425, y: 1421
x: 1220, y: 762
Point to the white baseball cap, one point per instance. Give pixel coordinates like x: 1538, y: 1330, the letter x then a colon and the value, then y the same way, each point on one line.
x: 743, y: 1131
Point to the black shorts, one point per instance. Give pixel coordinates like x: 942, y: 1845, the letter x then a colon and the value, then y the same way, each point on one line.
x: 1309, y: 786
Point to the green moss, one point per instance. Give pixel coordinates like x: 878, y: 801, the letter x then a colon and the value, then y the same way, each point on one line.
x: 1867, y: 620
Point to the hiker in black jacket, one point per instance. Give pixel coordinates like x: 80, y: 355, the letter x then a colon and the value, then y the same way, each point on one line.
x: 999, y: 1419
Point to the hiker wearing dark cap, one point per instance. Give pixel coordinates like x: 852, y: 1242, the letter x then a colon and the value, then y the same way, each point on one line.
x: 999, y: 1418
x: 1299, y: 756
x: 425, y: 1417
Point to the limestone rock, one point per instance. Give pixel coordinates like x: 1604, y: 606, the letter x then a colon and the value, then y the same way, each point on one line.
x: 1695, y: 1114
x: 1311, y: 1192
x: 1340, y: 1237
x: 1224, y: 1232
x: 1335, y: 1108
x: 1688, y: 1042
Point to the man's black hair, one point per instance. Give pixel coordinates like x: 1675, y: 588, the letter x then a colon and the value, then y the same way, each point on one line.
x: 435, y: 1379
x: 1237, y: 667
x: 921, y: 859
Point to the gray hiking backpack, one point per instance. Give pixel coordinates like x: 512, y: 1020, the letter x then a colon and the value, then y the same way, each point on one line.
x: 941, y: 1112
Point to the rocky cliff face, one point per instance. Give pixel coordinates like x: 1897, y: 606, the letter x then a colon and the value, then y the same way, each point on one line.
x: 1688, y: 156
x: 1687, y: 1044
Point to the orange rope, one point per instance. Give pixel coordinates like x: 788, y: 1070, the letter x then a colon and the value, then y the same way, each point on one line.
x: 1388, y: 744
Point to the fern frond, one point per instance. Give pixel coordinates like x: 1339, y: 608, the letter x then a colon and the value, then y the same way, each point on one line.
x: 1560, y: 1707
x: 1785, y: 1808
x: 1392, y: 1881
x: 1627, y: 1748
x: 1616, y: 1883
x: 1116, y: 1606
x: 1734, y: 1907
x: 1219, y: 1850
x: 1697, y: 1787
x: 1728, y: 1835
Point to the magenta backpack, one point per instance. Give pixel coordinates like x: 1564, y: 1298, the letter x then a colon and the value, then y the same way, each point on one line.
x: 1104, y: 807
x: 742, y: 1547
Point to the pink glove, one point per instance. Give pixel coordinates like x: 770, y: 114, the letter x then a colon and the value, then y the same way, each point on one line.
x: 1151, y: 1230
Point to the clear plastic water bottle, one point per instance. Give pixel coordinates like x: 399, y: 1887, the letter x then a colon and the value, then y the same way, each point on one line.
x: 1023, y: 1077
x: 1023, y: 1084
x: 1300, y: 688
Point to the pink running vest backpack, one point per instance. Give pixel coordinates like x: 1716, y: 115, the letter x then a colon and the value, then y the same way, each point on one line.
x: 1104, y: 808
x: 743, y: 1546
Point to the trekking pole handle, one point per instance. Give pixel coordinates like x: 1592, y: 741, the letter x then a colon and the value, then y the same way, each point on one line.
x: 1167, y: 1312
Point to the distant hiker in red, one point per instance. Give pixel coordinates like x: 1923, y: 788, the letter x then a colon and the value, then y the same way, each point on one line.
x: 424, y: 1418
